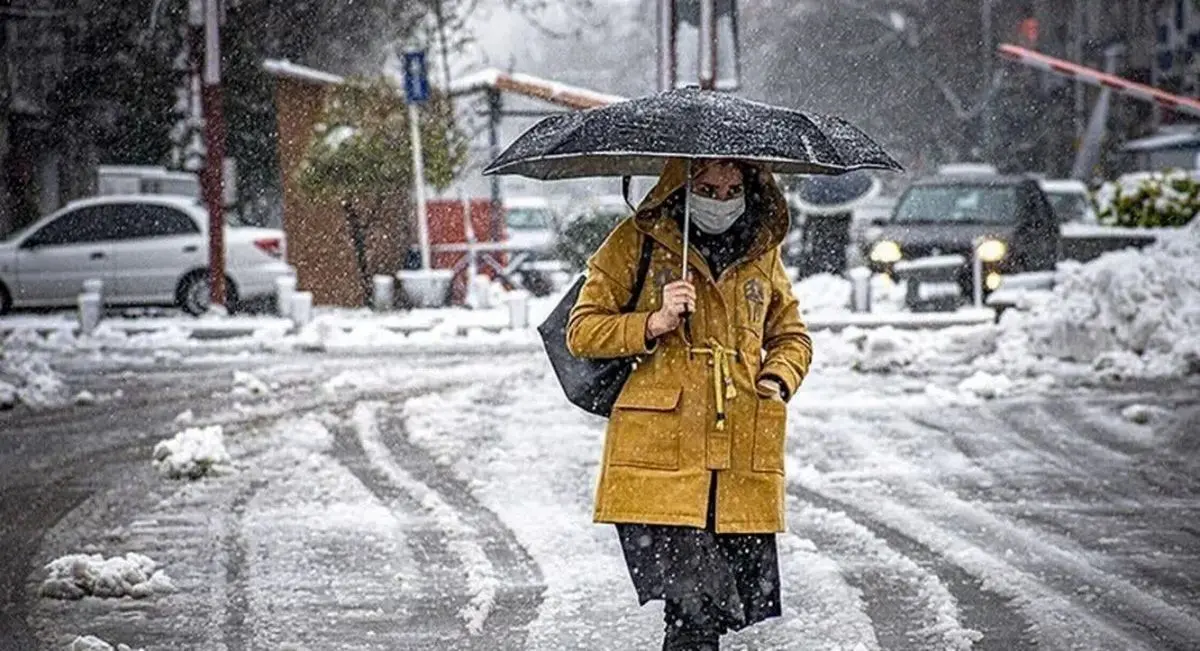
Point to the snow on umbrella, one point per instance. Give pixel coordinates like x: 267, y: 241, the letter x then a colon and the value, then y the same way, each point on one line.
x: 635, y: 137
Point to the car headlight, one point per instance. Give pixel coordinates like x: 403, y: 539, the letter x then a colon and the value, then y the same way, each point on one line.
x: 886, y: 252
x: 991, y: 250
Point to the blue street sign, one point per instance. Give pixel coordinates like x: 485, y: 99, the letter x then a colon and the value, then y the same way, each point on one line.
x: 416, y: 80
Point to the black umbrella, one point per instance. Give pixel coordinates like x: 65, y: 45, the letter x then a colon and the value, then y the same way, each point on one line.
x: 830, y: 195
x: 635, y: 137
x: 632, y: 138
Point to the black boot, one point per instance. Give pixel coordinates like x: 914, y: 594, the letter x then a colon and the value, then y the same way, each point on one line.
x: 686, y: 640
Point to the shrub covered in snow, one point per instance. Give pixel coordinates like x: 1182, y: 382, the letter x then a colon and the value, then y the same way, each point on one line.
x: 1149, y: 199
x: 82, y: 575
x: 92, y: 643
x: 192, y: 453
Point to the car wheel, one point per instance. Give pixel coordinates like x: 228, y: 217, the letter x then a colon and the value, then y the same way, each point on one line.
x: 5, y: 300
x: 193, y: 293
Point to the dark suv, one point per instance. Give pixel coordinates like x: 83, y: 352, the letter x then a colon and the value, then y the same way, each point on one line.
x: 939, y: 222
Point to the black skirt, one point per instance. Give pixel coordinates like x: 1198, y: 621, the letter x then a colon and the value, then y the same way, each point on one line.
x: 709, y: 581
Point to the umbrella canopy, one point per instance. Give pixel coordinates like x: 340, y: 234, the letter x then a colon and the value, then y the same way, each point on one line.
x: 831, y: 195
x: 635, y: 137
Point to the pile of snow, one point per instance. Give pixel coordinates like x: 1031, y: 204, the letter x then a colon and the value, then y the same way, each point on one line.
x: 823, y: 293
x: 1127, y: 313
x: 192, y: 453
x: 92, y: 643
x: 1132, y: 313
x: 987, y: 386
x: 247, y: 385
x: 26, y: 376
x: 81, y: 575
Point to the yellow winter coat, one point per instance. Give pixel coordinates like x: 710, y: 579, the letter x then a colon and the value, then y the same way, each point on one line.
x: 666, y: 434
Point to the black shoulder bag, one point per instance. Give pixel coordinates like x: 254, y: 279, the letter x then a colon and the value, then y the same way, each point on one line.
x: 591, y: 384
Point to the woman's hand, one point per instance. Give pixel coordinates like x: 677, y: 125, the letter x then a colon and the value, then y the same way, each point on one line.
x: 678, y: 299
x: 770, y: 389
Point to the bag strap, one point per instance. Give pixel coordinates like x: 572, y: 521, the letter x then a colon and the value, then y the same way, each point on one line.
x: 639, y: 281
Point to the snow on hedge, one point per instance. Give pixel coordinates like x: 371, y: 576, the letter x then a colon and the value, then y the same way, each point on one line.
x: 93, y: 643
x: 82, y: 575
x: 1149, y: 199
x: 192, y: 453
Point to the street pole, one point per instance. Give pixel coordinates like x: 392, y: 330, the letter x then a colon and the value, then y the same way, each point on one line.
x: 1077, y: 56
x: 986, y: 113
x: 214, y: 141
x: 414, y: 118
x: 495, y: 111
x: 707, y: 36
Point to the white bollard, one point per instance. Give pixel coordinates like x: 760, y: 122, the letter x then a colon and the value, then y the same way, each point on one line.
x: 95, y: 286
x: 518, y: 310
x: 383, y: 297
x: 977, y: 277
x: 90, y: 309
x: 285, y: 287
x: 860, y: 279
x: 302, y: 304
x: 480, y: 296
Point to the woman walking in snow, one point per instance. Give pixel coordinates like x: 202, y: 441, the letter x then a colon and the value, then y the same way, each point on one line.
x: 693, y: 463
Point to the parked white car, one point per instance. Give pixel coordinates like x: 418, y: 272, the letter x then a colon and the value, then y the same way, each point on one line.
x: 147, y: 250
x: 1070, y: 199
x: 530, y: 222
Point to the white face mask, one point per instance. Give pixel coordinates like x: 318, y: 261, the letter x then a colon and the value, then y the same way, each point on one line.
x: 714, y: 216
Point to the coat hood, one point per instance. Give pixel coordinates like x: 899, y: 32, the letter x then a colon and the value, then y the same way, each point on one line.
x: 775, y: 222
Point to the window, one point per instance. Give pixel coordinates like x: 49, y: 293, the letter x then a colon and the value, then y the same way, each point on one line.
x: 1068, y: 206
x: 90, y: 224
x: 528, y: 219
x: 958, y: 204
x: 139, y: 221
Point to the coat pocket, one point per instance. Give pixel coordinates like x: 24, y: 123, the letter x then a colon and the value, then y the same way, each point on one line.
x: 645, y: 427
x: 770, y: 433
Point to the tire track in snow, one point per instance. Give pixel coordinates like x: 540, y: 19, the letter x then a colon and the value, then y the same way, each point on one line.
x: 496, y: 588
x: 520, y: 593
x: 1001, y: 626
x: 1049, y: 570
x: 909, y: 608
x: 236, y: 630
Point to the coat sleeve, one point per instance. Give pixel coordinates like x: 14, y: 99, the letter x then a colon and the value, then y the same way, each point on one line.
x: 597, y: 329
x: 785, y: 337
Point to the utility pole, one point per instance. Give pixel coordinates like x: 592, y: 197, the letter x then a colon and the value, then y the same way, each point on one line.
x: 1077, y: 30
x: 212, y: 178
x: 986, y: 113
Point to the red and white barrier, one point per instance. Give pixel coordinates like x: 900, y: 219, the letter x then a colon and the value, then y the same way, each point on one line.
x: 1094, y: 77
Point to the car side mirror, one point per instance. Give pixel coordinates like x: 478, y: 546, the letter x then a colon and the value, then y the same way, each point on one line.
x: 878, y: 221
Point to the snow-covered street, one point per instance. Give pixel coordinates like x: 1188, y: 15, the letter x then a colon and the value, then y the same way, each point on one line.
x: 443, y: 501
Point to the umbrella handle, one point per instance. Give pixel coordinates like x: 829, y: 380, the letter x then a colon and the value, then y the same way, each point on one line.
x: 687, y: 231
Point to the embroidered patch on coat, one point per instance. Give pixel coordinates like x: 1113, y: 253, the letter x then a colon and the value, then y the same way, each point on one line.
x: 756, y: 299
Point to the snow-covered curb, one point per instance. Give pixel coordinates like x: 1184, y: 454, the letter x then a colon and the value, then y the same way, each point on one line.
x: 93, y: 643
x: 192, y: 453
x: 80, y: 575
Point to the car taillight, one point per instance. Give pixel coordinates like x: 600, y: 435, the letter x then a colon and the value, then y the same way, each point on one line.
x: 272, y: 246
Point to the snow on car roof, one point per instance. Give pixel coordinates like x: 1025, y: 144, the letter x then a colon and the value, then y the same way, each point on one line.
x: 177, y: 201
x: 1063, y: 186
x: 527, y: 202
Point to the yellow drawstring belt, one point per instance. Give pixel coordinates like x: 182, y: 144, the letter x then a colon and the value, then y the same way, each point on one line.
x: 722, y: 375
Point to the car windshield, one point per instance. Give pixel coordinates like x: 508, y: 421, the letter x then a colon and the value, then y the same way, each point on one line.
x: 528, y: 219
x: 959, y: 203
x: 1069, y: 206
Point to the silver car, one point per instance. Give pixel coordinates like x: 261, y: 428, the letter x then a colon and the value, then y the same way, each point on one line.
x: 147, y: 250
